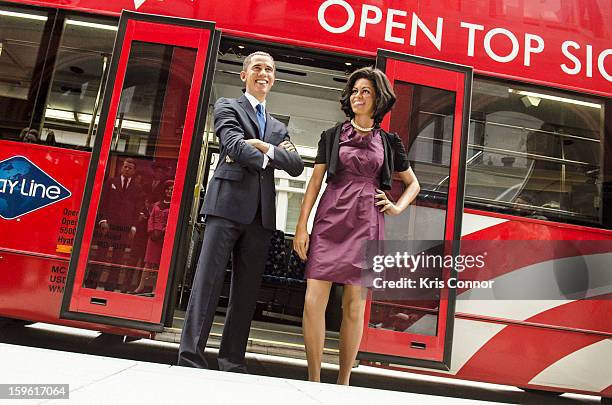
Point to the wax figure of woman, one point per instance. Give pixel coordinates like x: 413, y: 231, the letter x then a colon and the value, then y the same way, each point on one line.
x: 359, y: 159
x: 156, y: 230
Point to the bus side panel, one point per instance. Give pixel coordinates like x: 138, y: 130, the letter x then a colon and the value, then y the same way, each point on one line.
x: 31, y: 286
x: 526, y: 356
x: 536, y: 357
x: 557, y: 344
x: 546, y: 268
x: 37, y: 223
x: 31, y: 289
x: 37, y: 235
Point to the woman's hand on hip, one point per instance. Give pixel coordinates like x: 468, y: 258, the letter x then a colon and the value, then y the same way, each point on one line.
x: 387, y: 206
x: 301, y: 241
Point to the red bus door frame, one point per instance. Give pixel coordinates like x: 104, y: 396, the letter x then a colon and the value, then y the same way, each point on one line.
x: 394, y: 347
x: 130, y: 310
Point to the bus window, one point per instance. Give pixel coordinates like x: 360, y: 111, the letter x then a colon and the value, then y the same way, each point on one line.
x: 536, y: 153
x: 289, y: 195
x: 21, y: 33
x: 77, y: 85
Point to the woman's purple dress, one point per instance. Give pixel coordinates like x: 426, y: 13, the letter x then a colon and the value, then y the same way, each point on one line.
x: 346, y: 216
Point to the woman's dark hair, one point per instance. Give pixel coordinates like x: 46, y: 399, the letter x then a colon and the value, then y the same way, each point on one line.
x: 385, y: 97
x: 168, y: 183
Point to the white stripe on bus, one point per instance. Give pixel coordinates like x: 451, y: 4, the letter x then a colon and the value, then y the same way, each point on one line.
x: 542, y: 278
x: 589, y: 368
x: 473, y: 223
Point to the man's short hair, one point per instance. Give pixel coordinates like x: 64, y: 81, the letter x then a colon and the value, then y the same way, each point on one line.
x: 385, y: 96
x: 131, y: 161
x: 247, y: 60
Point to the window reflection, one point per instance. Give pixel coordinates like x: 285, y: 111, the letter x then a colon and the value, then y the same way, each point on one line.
x: 125, y: 254
x: 423, y: 118
x: 83, y: 58
x: 21, y: 32
x: 535, y: 153
x: 413, y: 317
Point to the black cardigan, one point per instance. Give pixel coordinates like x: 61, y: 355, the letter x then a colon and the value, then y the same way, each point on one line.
x: 395, y: 158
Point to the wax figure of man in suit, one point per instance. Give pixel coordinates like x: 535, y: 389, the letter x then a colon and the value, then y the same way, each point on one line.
x: 240, y: 216
x: 120, y: 207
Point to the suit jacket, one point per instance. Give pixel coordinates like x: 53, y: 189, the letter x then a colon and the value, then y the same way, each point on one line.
x: 395, y: 157
x: 154, y: 193
x: 240, y: 186
x: 120, y: 207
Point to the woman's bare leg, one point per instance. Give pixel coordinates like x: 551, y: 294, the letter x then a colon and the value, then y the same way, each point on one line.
x: 353, y: 306
x: 313, y: 324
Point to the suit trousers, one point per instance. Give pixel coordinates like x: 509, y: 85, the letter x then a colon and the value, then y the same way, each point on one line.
x: 248, y: 245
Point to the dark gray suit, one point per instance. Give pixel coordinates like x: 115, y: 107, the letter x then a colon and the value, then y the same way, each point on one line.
x: 240, y: 217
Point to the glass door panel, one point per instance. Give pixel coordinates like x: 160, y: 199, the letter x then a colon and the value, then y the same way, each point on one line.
x: 431, y: 117
x: 138, y: 182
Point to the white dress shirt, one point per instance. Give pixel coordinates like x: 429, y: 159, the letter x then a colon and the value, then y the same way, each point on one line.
x: 270, y: 153
x: 125, y: 182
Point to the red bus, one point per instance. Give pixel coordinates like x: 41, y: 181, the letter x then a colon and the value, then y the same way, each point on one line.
x: 504, y: 106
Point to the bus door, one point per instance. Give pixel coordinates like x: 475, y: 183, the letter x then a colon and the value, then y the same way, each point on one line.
x: 140, y: 180
x: 412, y: 324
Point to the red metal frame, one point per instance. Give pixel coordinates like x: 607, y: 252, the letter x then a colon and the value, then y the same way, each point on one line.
x: 146, y: 309
x: 394, y: 343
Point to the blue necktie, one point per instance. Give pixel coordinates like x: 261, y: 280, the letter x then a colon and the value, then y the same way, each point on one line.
x: 261, y: 119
